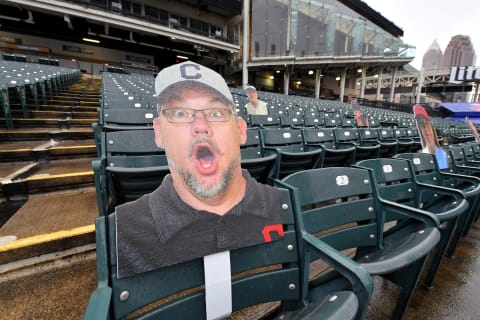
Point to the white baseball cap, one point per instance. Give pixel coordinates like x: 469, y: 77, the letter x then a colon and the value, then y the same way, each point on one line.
x: 189, y: 71
x: 250, y: 88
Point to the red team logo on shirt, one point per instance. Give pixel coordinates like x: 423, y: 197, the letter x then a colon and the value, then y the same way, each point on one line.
x: 267, y: 230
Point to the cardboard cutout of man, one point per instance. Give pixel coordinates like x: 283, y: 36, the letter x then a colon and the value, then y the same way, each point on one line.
x: 429, y: 137
x: 208, y: 203
x: 255, y: 106
x: 473, y: 128
x: 360, y: 118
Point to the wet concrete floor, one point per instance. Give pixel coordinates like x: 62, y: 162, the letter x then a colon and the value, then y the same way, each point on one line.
x: 60, y: 289
x: 456, y: 292
x: 75, y: 208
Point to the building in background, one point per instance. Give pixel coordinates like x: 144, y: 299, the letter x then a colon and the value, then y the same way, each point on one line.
x: 320, y: 48
x: 459, y: 52
x: 432, y: 59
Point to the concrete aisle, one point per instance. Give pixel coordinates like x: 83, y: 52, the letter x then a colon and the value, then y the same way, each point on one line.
x: 456, y: 292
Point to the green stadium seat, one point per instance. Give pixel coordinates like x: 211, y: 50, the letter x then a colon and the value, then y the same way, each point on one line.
x: 427, y: 171
x: 292, y: 154
x: 130, y: 164
x: 340, y: 206
x: 396, y: 182
x: 259, y: 163
x: 335, y: 155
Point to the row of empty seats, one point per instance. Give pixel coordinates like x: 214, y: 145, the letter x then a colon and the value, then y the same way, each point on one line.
x: 21, y: 82
x: 268, y: 154
x: 310, y: 112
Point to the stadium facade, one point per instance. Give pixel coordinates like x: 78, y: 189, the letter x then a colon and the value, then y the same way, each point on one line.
x: 318, y: 48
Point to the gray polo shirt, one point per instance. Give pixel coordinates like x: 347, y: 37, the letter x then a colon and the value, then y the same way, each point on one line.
x: 159, y: 229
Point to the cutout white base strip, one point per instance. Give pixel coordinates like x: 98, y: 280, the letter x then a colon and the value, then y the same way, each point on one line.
x: 218, y: 285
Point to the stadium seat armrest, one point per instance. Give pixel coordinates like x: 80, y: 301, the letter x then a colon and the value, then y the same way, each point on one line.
x: 457, y: 194
x: 278, y: 159
x: 99, y: 304
x: 358, y: 276
x: 279, y: 183
x: 428, y: 218
x: 463, y: 177
x: 98, y: 166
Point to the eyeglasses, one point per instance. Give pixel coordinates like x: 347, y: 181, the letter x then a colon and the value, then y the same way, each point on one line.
x: 184, y: 115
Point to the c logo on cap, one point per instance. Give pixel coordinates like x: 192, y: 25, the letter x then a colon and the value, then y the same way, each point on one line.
x: 184, y: 69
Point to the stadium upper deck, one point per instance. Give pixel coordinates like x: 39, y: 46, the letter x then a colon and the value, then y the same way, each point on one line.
x: 282, y: 47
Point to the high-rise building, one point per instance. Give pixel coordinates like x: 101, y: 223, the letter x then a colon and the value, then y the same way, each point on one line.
x: 459, y: 52
x: 432, y: 59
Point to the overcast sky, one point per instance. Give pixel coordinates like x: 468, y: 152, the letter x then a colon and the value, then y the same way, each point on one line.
x: 422, y: 21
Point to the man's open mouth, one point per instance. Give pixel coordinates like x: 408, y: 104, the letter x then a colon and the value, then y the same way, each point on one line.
x: 204, y: 153
x: 205, y: 158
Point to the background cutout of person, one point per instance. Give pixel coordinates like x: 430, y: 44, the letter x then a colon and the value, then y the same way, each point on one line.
x: 429, y: 136
x: 254, y: 105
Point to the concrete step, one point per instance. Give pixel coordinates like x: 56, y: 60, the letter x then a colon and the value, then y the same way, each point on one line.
x: 77, y: 97
x: 82, y: 92
x: 47, y: 176
x: 52, y: 122
x: 51, y: 107
x: 74, y: 102
x: 62, y: 220
x: 46, y: 133
x: 42, y: 150
x: 36, y: 114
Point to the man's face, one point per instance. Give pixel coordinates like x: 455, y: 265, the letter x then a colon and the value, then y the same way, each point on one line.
x: 203, y: 156
x: 252, y: 95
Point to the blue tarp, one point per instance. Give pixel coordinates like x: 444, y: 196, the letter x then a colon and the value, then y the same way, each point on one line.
x: 462, y: 109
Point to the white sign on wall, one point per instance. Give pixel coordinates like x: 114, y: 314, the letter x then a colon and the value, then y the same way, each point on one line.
x: 460, y: 74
